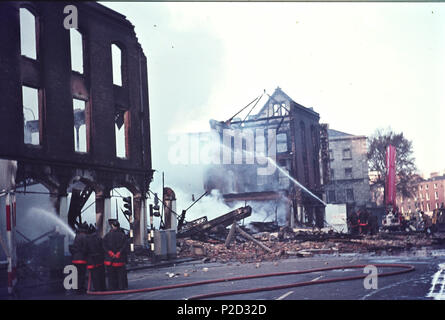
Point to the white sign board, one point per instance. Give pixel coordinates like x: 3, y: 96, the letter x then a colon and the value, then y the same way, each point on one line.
x: 336, y: 217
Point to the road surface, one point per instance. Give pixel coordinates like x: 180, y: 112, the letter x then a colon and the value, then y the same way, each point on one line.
x: 426, y: 282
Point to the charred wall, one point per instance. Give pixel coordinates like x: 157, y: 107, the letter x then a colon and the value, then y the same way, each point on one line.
x: 51, y: 74
x: 55, y: 157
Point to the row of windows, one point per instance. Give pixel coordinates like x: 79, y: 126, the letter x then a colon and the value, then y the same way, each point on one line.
x: 332, y: 195
x: 29, y: 27
x: 346, y: 153
x: 427, y: 196
x: 32, y: 106
x: 422, y: 207
x: 347, y: 174
x: 32, y: 97
x: 426, y: 186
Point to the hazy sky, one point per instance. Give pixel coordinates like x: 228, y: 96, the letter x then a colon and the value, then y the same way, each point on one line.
x: 361, y: 66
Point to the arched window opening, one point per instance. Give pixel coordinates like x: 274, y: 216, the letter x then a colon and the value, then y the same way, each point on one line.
x: 116, y: 57
x: 28, y: 34
x: 76, y: 45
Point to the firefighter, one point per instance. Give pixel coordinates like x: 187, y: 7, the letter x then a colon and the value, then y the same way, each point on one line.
x: 115, y: 246
x: 354, y: 222
x: 95, y: 259
x: 363, y: 221
x: 373, y: 224
x: 78, y: 251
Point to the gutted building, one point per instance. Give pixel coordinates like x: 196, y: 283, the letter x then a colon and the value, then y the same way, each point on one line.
x: 74, y: 106
x: 349, y: 178
x: 271, y: 160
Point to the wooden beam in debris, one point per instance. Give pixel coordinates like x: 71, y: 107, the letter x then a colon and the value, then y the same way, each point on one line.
x: 249, y: 237
x: 231, y: 234
x: 224, y: 221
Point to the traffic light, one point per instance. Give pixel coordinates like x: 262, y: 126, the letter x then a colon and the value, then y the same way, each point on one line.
x: 156, y: 208
x: 128, y: 211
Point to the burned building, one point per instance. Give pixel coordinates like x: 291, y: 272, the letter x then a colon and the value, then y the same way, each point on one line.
x: 74, y: 108
x: 272, y: 160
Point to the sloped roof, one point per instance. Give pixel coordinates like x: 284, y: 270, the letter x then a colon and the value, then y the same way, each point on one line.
x: 336, y: 133
x: 277, y: 92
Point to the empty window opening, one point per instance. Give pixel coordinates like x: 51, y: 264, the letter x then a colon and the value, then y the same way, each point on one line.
x: 76, y: 42
x: 121, y: 133
x: 31, y: 115
x: 348, y: 172
x: 116, y: 56
x: 279, y: 109
x: 331, y: 196
x: 275, y: 108
x: 284, y: 109
x: 80, y: 126
x: 282, y: 142
x: 28, y: 35
x: 349, y: 195
x: 347, y: 154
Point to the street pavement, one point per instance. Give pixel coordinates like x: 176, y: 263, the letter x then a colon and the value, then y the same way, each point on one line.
x: 415, y: 285
x: 426, y: 282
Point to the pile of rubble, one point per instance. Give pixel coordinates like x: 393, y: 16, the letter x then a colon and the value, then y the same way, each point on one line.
x: 271, y: 246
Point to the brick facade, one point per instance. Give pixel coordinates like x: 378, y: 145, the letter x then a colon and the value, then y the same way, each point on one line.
x: 429, y: 195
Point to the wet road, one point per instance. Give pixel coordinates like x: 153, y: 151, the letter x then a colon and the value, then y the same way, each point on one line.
x: 426, y: 282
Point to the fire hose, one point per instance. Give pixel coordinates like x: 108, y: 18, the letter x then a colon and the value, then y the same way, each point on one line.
x: 405, y: 268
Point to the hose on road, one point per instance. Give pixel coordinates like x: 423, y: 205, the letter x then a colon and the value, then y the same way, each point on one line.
x: 405, y: 268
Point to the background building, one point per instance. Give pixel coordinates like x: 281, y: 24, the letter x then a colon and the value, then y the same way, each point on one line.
x: 429, y: 195
x: 349, y: 179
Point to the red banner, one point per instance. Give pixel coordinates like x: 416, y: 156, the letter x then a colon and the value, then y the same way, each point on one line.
x: 390, y: 183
